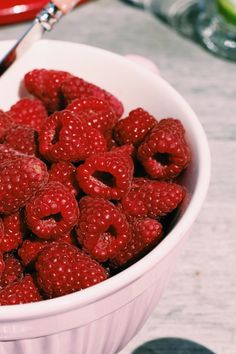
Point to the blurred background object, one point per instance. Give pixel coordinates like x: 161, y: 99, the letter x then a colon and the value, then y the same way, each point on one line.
x: 216, y: 27
x: 12, y: 11
x: 169, y: 345
x: 209, y: 22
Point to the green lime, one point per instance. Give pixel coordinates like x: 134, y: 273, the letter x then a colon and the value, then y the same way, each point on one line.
x: 227, y: 9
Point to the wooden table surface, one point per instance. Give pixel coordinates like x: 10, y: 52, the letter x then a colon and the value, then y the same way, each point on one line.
x: 199, y: 303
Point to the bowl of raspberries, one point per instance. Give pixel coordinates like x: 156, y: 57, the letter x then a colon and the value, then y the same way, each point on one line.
x: 103, y: 170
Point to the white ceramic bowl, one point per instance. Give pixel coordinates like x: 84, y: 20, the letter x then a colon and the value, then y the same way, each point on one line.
x: 103, y: 318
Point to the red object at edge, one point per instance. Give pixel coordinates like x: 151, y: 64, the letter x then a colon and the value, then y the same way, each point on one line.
x: 12, y: 11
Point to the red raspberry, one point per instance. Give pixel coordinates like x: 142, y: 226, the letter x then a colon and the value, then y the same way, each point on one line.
x: 174, y: 124
x: 20, y: 179
x: 22, y: 139
x: 2, y: 264
x: 46, y: 85
x: 97, y: 113
x: 139, y: 182
x: 134, y: 128
x: 20, y: 292
x: 103, y: 230
x: 64, y: 172
x: 30, y: 249
x: 108, y: 175
x: 65, y: 137
x: 53, y: 212
x: 8, y: 154
x: 29, y: 112
x: 152, y: 199
x: 67, y: 238
x: 11, y: 232
x: 111, y: 143
x: 5, y: 125
x: 145, y: 234
x: 124, y: 149
x: 165, y: 153
x: 75, y: 87
x: 63, y: 269
x: 13, y: 270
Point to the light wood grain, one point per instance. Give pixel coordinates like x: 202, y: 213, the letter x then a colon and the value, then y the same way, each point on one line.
x: 200, y: 300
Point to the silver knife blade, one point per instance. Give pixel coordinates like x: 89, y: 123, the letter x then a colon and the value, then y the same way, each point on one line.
x: 44, y: 21
x: 34, y: 33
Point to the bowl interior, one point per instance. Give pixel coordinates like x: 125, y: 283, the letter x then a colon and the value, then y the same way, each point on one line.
x: 135, y: 87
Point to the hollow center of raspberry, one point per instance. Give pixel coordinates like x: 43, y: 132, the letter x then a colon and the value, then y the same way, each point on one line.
x: 56, y: 135
x: 111, y: 231
x: 162, y: 158
x: 53, y: 218
x: 105, y: 177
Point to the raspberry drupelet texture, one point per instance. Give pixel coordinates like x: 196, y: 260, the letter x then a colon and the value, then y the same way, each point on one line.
x: 11, y: 232
x: 8, y: 154
x: 134, y: 128
x: 152, y: 198
x: 20, y: 179
x: 63, y: 269
x: 5, y: 124
x: 109, y: 139
x: 165, y: 153
x: 96, y: 112
x: 13, y: 270
x: 2, y: 265
x: 46, y: 85
x: 30, y: 248
x: 75, y: 87
x: 21, y: 291
x: 127, y: 149
x: 65, y: 137
x: 140, y: 182
x: 22, y: 139
x: 103, y: 229
x: 108, y: 175
x: 65, y: 173
x: 146, y: 233
x: 53, y: 212
x: 29, y: 112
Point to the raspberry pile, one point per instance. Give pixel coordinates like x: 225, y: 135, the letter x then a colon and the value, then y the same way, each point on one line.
x: 84, y: 190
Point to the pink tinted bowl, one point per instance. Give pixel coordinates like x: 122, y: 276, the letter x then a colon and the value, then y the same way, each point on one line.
x: 103, y: 318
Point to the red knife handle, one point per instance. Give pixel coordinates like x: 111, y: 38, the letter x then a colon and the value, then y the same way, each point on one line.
x: 30, y: 9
